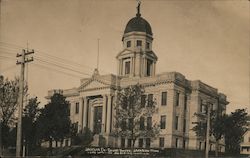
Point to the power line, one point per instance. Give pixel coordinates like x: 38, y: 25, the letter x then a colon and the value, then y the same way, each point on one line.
x: 62, y: 67
x: 49, y: 68
x: 43, y: 53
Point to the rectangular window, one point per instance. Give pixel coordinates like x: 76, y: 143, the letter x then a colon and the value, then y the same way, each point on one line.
x: 138, y: 43
x: 184, y: 125
x: 164, y: 98
x: 201, y: 106
x: 129, y: 143
x: 130, y: 123
x: 176, y: 142
x: 123, y: 125
x: 249, y: 139
x: 149, y: 123
x: 185, y: 102
x: 143, y: 100
x: 176, y: 122
x: 148, y: 45
x: 128, y: 44
x: 163, y: 121
x: 184, y: 144
x: 150, y: 100
x: 161, y: 142
x: 127, y: 67
x: 147, y: 142
x: 142, y: 126
x: 149, y: 67
x: 77, y: 108
x: 200, y: 145
x: 177, y: 98
x: 140, y: 145
x: 122, y: 142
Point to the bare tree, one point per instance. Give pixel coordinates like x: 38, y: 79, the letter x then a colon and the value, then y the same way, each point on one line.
x: 133, y: 111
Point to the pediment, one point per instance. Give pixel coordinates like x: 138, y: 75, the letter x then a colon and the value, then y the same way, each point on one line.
x: 93, y: 84
x: 124, y: 52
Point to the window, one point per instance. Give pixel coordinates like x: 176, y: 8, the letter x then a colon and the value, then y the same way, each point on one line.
x: 140, y: 143
x: 75, y: 125
x: 130, y: 123
x: 142, y: 126
x: 138, y: 43
x: 149, y: 67
x: 210, y: 148
x: 176, y: 142
x: 150, y: 99
x: 184, y: 125
x: 149, y: 123
x: 128, y: 43
x: 122, y: 142
x: 184, y: 144
x: 177, y: 98
x: 201, y: 106
x: 129, y: 143
x: 200, y: 145
x: 147, y: 142
x: 185, y: 102
x: 164, y: 98
x: 143, y: 100
x: 248, y: 139
x: 66, y: 142
x: 163, y: 121
x: 123, y: 125
x: 176, y: 122
x: 161, y: 142
x: 127, y: 67
x: 77, y: 108
x: 147, y: 45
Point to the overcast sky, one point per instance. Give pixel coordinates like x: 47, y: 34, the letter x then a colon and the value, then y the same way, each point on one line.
x: 202, y: 39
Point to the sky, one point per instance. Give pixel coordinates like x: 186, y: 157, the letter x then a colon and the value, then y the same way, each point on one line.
x: 205, y: 40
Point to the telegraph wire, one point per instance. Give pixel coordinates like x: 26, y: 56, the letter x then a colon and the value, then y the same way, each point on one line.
x: 49, y: 68
x: 43, y: 53
x: 62, y: 67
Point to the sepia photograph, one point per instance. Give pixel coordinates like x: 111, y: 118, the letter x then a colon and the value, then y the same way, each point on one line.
x: 125, y: 78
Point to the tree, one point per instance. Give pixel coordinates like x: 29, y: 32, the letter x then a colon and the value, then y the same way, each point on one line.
x: 30, y: 116
x: 133, y: 109
x: 54, y: 121
x: 236, y: 126
x: 231, y: 127
x: 9, y: 90
x: 217, y: 126
x: 84, y: 137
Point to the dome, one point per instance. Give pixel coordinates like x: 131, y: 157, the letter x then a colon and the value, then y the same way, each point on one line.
x: 138, y: 24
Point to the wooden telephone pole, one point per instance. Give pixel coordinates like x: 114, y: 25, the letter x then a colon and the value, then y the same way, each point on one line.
x: 22, y: 62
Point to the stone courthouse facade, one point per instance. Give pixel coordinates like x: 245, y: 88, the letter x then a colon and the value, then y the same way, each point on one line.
x: 92, y: 103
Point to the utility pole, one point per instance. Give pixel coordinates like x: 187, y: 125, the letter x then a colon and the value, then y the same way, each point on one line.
x: 208, y: 129
x: 22, y: 62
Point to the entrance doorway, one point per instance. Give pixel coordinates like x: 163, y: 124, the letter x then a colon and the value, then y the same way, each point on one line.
x: 97, y: 119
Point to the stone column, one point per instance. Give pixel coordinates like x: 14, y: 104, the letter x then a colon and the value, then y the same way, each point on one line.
x: 85, y: 111
x: 145, y: 67
x: 108, y: 124
x: 81, y: 114
x: 142, y: 66
x: 104, y: 114
x: 91, y: 117
x: 132, y: 67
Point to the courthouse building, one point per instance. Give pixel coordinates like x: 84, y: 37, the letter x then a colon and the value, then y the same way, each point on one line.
x: 92, y: 102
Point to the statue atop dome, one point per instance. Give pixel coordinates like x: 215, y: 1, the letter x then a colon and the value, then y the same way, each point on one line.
x: 138, y: 9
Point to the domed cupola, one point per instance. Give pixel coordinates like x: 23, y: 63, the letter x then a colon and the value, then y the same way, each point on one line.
x: 137, y: 58
x: 138, y: 24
